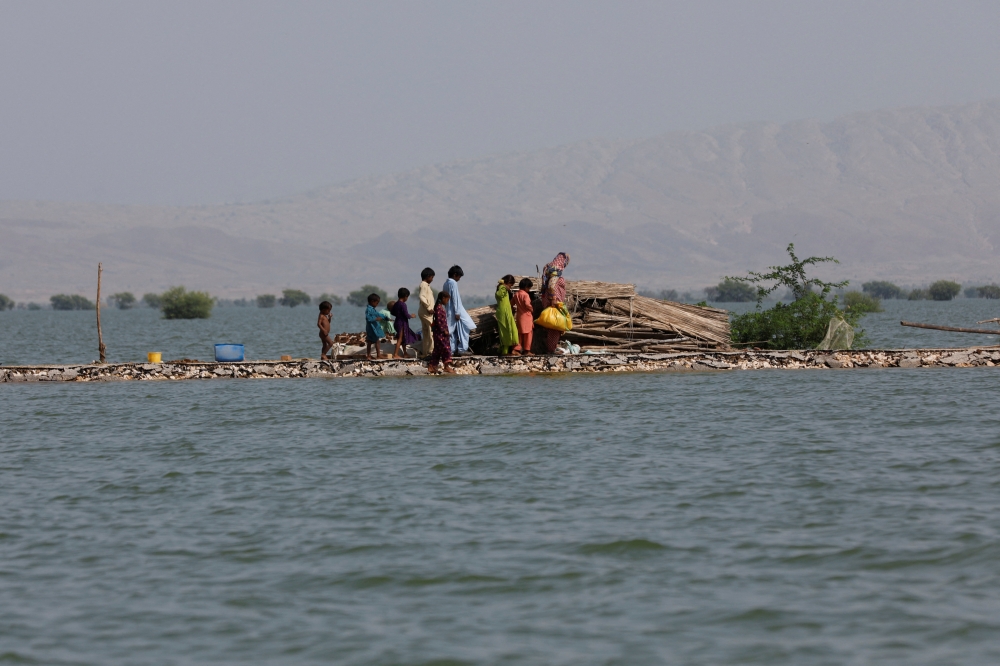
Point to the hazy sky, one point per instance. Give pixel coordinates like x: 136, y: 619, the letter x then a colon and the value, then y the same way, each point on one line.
x: 210, y: 101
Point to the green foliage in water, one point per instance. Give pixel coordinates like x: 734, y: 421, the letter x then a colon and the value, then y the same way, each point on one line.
x: 292, y: 297
x: 267, y: 300
x: 332, y: 298
x: 34, y: 306
x: 359, y: 297
x: 861, y: 303
x: 882, y: 289
x: 179, y: 303
x: 70, y: 302
x: 6, y: 303
x: 991, y: 291
x: 919, y: 295
x: 152, y: 300
x: 731, y: 291
x: 801, y: 324
x: 124, y: 300
x: 944, y: 290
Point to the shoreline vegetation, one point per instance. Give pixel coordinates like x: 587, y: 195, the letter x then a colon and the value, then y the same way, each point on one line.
x: 729, y: 290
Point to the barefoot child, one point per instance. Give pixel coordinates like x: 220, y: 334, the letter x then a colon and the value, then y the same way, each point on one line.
x: 442, y: 336
x: 525, y: 316
x: 325, y: 310
x: 404, y: 334
x: 373, y: 327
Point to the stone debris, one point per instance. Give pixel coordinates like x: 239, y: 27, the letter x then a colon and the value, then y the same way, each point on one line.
x: 492, y: 365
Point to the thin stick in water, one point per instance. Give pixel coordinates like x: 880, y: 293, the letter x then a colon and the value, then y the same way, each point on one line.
x: 100, y: 336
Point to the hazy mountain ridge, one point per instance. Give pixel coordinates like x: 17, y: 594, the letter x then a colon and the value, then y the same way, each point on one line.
x: 905, y: 194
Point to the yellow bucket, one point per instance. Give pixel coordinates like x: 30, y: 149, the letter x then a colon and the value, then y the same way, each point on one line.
x: 154, y: 357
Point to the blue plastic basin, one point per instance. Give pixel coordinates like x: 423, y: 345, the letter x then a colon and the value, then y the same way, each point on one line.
x: 228, y: 352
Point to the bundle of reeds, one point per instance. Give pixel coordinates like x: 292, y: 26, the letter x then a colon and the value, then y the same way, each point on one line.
x: 612, y: 316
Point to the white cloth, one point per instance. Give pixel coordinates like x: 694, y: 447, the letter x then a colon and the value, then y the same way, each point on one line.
x: 460, y: 324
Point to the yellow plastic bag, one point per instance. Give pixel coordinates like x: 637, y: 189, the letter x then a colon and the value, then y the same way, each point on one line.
x: 555, y: 318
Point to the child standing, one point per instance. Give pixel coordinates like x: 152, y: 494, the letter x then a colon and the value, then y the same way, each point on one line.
x: 373, y: 327
x: 505, y: 316
x: 404, y: 334
x: 325, y: 316
x: 442, y: 336
x: 525, y: 316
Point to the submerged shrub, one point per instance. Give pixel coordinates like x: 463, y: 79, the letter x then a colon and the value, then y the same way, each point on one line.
x: 123, y: 300
x: 267, y: 300
x: 292, y: 297
x: 731, y: 291
x: 944, y: 290
x: 919, y: 295
x: 359, y: 297
x: 6, y: 303
x: 861, y: 303
x: 179, y: 303
x: 70, y: 302
x: 991, y: 291
x: 152, y: 300
x: 882, y: 289
x: 332, y: 298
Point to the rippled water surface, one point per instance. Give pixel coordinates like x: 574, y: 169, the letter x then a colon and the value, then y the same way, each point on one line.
x: 771, y: 517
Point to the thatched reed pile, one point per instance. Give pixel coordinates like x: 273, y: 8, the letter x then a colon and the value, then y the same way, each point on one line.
x: 613, y: 316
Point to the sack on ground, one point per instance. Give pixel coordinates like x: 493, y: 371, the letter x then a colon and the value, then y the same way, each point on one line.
x: 555, y: 318
x: 839, y: 335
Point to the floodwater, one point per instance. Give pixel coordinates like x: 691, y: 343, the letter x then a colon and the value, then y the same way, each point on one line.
x: 46, y: 336
x: 767, y: 517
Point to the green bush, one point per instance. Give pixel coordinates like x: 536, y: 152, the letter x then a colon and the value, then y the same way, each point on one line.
x: 6, y: 303
x: 332, y: 298
x: 944, y: 290
x: 359, y: 297
x: 292, y: 297
x: 179, y: 303
x: 800, y: 324
x: 882, y: 289
x: 34, y: 306
x: 124, y: 300
x: 991, y: 291
x: 70, y: 302
x: 731, y: 291
x: 266, y: 300
x: 152, y: 300
x: 861, y: 303
x: 919, y: 295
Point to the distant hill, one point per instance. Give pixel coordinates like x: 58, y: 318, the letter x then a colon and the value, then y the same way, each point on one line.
x: 907, y: 194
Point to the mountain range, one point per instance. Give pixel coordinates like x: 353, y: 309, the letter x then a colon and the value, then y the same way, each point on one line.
x: 910, y: 195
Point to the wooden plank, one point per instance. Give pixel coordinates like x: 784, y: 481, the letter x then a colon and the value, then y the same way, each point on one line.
x: 981, y: 331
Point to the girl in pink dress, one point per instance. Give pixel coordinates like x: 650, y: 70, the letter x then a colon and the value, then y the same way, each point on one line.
x: 524, y: 316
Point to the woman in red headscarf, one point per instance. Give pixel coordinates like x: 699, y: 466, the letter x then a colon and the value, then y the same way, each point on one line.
x: 554, y: 292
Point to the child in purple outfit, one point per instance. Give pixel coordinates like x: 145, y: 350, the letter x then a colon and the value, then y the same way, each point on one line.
x: 404, y: 334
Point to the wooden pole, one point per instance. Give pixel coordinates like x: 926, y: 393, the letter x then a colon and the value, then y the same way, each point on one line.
x: 100, y: 336
x: 983, y: 331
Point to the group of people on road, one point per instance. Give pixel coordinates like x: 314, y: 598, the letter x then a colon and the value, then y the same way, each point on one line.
x: 446, y: 324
